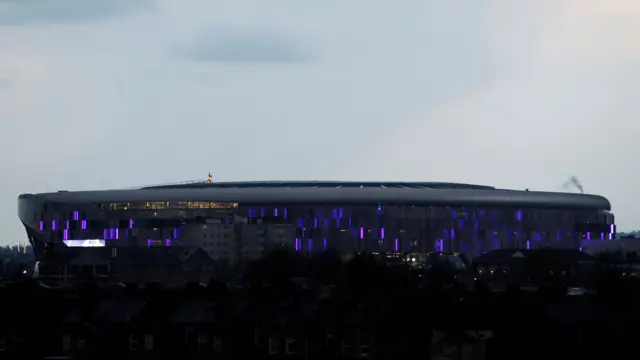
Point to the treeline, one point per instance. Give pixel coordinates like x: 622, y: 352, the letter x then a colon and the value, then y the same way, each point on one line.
x: 321, y: 308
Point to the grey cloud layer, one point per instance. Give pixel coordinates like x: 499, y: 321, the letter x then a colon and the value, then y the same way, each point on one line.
x: 27, y: 12
x: 246, y: 45
x: 359, y: 89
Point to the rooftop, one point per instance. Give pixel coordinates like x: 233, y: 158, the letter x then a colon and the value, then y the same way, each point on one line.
x: 320, y: 184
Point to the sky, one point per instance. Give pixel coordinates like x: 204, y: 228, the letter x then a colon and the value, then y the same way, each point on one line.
x: 511, y: 93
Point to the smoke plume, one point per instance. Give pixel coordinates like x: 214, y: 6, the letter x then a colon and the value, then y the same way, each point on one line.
x: 573, y: 182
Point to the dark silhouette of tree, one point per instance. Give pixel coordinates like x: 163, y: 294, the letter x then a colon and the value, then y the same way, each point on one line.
x: 326, y: 268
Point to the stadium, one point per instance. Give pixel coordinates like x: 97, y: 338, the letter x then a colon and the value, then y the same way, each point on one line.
x: 230, y: 223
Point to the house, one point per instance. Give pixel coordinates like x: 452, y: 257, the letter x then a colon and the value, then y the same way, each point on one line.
x: 192, y: 327
x: 121, y: 332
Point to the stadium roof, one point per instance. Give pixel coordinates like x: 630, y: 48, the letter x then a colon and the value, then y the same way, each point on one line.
x: 320, y: 184
x: 281, y: 193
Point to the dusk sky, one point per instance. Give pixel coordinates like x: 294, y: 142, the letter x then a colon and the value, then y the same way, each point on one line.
x: 519, y: 94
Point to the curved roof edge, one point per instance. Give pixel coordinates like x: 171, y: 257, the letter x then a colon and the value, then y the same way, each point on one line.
x: 332, y: 195
x: 320, y: 184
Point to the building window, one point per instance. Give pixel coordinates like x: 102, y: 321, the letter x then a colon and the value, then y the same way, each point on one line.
x: 148, y: 342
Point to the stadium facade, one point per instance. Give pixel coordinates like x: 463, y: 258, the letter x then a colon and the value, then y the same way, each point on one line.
x: 235, y: 222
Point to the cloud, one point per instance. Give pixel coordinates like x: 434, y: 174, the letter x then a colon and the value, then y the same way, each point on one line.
x: 27, y: 12
x: 4, y: 82
x: 603, y: 32
x: 512, y: 95
x: 246, y: 45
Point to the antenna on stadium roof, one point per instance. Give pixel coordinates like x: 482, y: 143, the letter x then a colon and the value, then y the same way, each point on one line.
x: 209, y: 179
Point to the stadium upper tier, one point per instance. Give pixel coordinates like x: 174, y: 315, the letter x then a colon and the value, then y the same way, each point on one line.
x: 332, y: 192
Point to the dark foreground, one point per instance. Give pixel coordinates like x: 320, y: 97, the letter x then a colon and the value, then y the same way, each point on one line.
x: 356, y: 310
x: 268, y: 322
